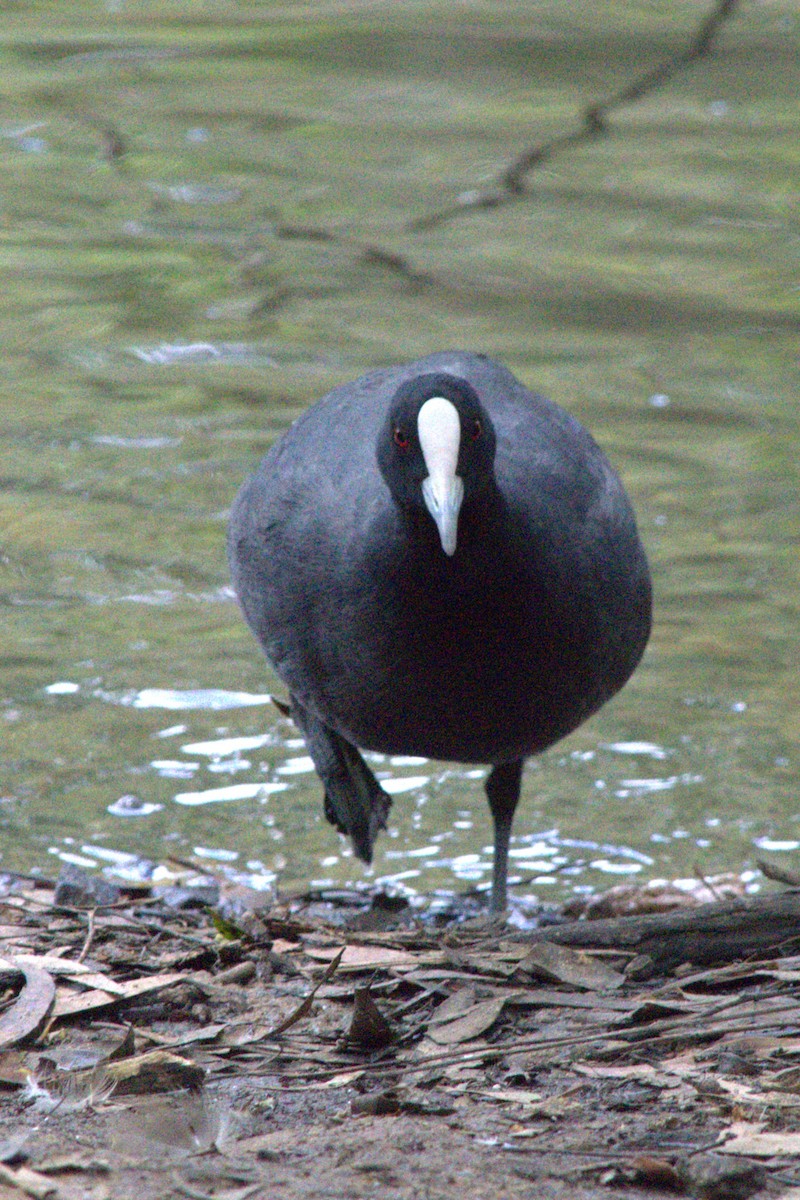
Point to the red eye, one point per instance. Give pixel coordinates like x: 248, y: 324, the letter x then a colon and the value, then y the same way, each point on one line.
x: 477, y: 429
x: 400, y: 438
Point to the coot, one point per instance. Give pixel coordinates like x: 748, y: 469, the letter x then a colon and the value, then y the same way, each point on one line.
x: 438, y: 562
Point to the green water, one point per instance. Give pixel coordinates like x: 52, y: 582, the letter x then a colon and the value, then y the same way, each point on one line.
x: 157, y: 334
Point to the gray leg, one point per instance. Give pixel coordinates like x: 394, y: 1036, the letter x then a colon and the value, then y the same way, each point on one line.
x: 502, y: 790
x: 354, y: 800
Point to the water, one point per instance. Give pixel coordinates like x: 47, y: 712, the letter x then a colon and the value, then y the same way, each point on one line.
x: 160, y: 329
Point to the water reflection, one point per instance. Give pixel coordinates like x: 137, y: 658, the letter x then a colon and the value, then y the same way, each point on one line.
x: 214, y: 699
x: 159, y: 332
x: 278, y: 776
x: 236, y: 791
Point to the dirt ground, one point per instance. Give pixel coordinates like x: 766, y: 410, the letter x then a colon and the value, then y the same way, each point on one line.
x: 152, y: 1049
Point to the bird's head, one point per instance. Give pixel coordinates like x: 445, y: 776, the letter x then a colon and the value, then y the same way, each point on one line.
x: 436, y: 449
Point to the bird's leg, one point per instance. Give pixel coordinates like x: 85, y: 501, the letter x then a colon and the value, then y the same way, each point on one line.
x: 354, y: 800
x: 502, y: 790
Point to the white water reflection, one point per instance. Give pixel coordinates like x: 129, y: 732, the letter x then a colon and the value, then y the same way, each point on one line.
x: 135, y: 443
x: 229, y: 766
x: 119, y: 864
x: 195, y: 698
x: 644, y: 787
x: 767, y: 843
x: 650, y: 749
x: 70, y: 857
x: 395, y: 786
x: 237, y: 791
x: 221, y: 747
x: 170, y: 768
x: 296, y: 766
x: 615, y: 868
x: 168, y: 353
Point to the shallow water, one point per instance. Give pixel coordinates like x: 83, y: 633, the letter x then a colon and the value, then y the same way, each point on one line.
x: 158, y: 334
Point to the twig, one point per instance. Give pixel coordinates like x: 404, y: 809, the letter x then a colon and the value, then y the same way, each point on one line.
x: 89, y: 936
x: 778, y: 874
x: 367, y: 251
x: 594, y: 124
x: 708, y: 883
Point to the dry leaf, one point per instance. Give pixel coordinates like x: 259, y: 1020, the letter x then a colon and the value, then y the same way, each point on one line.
x: 50, y: 963
x: 762, y: 1145
x: 552, y: 1108
x: 282, y: 946
x: 471, y: 1024
x: 574, y: 967
x: 741, y: 1094
x: 69, y: 1004
x: 32, y: 1006
x: 345, y: 1079
x: 642, y: 1072
x: 454, y: 1006
x: 154, y: 1071
x: 29, y: 1182
x: 510, y: 1096
x: 364, y: 958
x: 368, y: 1028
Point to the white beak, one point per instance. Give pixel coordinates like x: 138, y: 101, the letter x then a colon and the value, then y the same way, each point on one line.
x: 439, y: 430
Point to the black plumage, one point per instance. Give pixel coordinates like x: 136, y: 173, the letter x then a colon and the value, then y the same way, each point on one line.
x: 467, y: 584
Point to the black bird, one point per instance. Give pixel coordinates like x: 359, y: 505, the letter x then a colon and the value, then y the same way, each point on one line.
x: 438, y: 562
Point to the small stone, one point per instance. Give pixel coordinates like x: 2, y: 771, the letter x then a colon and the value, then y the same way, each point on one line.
x: 77, y: 889
x: 719, y: 1177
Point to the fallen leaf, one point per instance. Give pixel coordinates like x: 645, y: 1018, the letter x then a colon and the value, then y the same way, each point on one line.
x: 281, y: 946
x: 643, y: 1072
x: 368, y: 1028
x: 454, y: 1006
x: 510, y: 1096
x: 96, y: 982
x: 574, y: 967
x: 29, y: 1182
x: 471, y: 1024
x: 209, y: 1033
x: 762, y: 1145
x: 14, y: 1069
x: 30, y: 1010
x: 50, y: 963
x: 154, y: 1071
x: 615, y: 1006
x: 68, y: 1164
x: 742, y: 1094
x: 69, y: 1003
x: 552, y: 1108
x: 364, y: 958
x: 345, y: 1079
